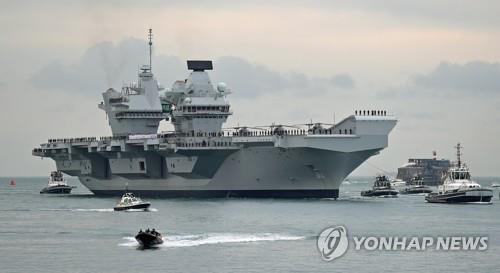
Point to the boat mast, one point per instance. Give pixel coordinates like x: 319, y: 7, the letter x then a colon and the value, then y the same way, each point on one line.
x: 458, y: 147
x: 150, y: 36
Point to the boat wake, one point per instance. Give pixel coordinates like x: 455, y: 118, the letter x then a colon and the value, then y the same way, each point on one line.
x: 171, y: 241
x: 100, y: 210
x: 80, y: 210
x: 94, y: 210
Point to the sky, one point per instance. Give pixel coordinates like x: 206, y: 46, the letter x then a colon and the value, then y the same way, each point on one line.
x: 433, y: 64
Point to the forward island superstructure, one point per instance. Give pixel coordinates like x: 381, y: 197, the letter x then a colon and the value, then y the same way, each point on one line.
x: 200, y: 158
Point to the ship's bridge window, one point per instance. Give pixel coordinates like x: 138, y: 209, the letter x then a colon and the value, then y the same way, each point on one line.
x: 142, y: 166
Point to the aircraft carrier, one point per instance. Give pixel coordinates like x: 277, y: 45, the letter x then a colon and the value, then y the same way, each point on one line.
x: 200, y: 158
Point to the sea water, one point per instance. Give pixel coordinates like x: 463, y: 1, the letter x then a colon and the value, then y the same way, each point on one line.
x: 81, y: 233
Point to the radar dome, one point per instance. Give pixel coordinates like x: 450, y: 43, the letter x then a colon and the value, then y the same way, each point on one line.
x: 222, y: 87
x: 187, y: 100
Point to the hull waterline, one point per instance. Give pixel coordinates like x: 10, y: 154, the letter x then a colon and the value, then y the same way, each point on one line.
x: 143, y: 206
x: 57, y: 190
x: 465, y: 197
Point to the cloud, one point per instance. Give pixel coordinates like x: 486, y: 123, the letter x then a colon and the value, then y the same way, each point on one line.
x: 456, y: 12
x: 107, y: 65
x: 101, y: 66
x: 472, y: 77
x: 343, y: 81
x: 452, y: 79
x: 249, y: 80
x: 451, y: 12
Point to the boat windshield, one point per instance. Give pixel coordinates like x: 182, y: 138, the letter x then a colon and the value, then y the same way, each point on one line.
x: 56, y: 176
x: 460, y: 175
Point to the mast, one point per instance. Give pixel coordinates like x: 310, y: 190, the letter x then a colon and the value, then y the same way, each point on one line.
x: 150, y: 36
x: 458, y: 147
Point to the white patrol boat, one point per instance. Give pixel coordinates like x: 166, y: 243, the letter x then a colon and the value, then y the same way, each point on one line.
x: 398, y: 183
x: 129, y: 201
x: 416, y: 186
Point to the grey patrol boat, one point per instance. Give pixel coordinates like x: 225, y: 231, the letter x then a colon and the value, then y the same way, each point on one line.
x: 201, y: 158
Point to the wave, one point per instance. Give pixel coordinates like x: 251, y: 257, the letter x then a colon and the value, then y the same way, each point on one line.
x: 359, y: 182
x: 171, y: 241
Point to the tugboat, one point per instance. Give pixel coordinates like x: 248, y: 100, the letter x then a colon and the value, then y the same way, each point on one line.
x: 381, y: 187
x: 416, y: 186
x: 149, y: 238
x: 459, y: 188
x: 129, y: 201
x: 57, y: 184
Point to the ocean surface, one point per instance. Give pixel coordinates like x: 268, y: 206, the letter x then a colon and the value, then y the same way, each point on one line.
x: 82, y: 233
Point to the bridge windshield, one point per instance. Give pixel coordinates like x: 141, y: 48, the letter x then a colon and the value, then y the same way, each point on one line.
x: 460, y: 175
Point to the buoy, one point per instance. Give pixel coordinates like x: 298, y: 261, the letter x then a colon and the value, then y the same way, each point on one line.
x: 12, y: 182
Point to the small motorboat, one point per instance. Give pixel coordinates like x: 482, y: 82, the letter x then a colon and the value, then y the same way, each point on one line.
x: 382, y: 187
x: 398, y: 183
x: 57, y: 184
x: 458, y: 187
x: 416, y: 186
x: 149, y: 238
x: 495, y: 185
x: 129, y: 201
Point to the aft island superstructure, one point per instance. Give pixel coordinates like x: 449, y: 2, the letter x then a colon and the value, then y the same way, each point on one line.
x: 203, y: 159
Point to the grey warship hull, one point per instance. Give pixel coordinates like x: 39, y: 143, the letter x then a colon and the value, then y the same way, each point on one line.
x: 274, y: 166
x: 252, y: 172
